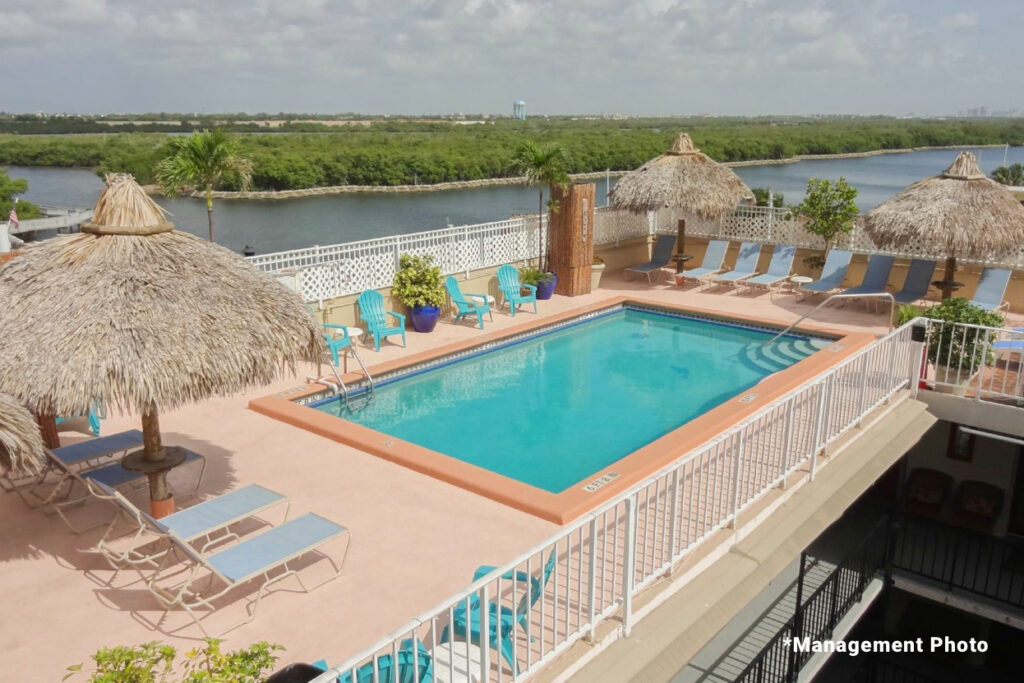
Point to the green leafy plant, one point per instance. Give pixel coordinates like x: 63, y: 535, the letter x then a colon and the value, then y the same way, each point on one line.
x: 598, y: 261
x: 418, y: 282
x: 533, y: 276
x: 907, y: 312
x: 761, y: 197
x: 958, y: 346
x: 9, y: 189
x: 154, y: 662
x: 204, y: 160
x: 829, y: 211
x: 544, y: 164
x: 1012, y: 175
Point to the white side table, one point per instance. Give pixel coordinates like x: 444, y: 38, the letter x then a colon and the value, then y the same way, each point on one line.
x: 451, y: 665
x: 796, y: 281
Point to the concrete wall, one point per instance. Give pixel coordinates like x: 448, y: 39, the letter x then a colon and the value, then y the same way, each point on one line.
x: 994, y: 462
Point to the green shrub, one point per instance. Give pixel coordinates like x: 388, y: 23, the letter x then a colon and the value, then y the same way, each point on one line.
x: 418, y: 282
x: 957, y: 346
x: 533, y: 276
x: 154, y: 663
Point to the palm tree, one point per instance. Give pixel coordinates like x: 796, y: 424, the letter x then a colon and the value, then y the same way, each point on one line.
x: 542, y: 165
x: 1012, y: 175
x: 203, y: 160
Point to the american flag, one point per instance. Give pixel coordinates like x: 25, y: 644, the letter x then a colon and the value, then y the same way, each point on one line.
x: 13, y: 218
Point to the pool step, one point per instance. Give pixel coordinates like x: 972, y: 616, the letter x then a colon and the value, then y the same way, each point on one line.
x: 780, y: 354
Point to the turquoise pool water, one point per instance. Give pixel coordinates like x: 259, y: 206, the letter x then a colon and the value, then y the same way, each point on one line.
x: 551, y: 410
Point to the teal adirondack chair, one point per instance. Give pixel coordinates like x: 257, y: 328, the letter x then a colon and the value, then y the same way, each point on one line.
x: 336, y: 344
x: 512, y: 289
x: 371, y: 311
x: 464, y: 307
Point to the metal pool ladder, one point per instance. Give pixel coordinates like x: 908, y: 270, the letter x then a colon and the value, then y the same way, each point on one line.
x: 338, y: 386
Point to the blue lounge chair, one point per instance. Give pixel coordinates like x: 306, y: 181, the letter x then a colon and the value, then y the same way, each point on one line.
x: 711, y: 265
x: 251, y: 558
x: 746, y: 265
x: 408, y: 662
x: 208, y: 520
x: 371, y: 311
x: 1015, y: 345
x: 876, y: 277
x: 832, y: 274
x: 464, y: 307
x: 112, y: 476
x: 917, y: 282
x: 502, y: 621
x: 663, y: 249
x: 991, y: 288
x: 778, y: 270
x: 512, y: 289
x: 78, y: 457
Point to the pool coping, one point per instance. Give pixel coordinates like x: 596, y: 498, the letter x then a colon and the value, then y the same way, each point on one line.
x: 609, y: 481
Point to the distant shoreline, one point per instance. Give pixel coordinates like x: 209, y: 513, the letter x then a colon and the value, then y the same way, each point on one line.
x: 491, y: 182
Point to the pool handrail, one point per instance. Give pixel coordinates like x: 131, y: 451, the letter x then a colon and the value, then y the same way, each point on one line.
x: 841, y: 295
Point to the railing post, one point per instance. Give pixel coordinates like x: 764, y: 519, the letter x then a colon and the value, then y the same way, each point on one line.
x: 316, y: 253
x: 673, y: 522
x: 916, y: 353
x: 798, y: 620
x: 398, y: 252
x: 861, y: 391
x: 485, y: 652
x: 819, y: 424
x: 592, y: 581
x: 787, y: 439
x: 983, y: 364
x: 628, y: 566
x: 738, y: 458
x: 465, y: 234
x: 892, y: 367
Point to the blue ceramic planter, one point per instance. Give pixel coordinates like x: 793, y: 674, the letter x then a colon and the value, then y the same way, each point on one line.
x: 547, y: 288
x: 424, y: 318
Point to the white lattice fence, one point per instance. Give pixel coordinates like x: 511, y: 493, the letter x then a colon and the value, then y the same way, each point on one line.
x: 614, y: 225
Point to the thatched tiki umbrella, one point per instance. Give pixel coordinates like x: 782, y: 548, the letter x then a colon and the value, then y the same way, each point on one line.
x: 21, y: 446
x: 133, y: 314
x: 682, y: 178
x: 959, y: 212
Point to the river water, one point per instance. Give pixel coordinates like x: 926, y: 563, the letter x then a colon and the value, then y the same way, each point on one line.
x: 277, y: 225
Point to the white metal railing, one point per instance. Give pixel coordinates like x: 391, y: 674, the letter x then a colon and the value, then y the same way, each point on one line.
x: 984, y: 362
x: 604, y: 559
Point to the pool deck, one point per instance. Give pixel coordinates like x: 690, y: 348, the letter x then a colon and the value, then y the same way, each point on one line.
x: 415, y: 539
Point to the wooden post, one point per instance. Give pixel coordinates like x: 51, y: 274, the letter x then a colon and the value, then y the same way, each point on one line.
x: 680, y: 243
x: 48, y: 430
x: 153, y: 447
x: 571, y: 232
x: 947, y: 278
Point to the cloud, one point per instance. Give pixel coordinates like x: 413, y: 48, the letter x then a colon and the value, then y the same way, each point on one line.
x: 649, y: 56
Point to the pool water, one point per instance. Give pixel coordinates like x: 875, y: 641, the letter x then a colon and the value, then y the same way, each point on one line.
x: 556, y: 408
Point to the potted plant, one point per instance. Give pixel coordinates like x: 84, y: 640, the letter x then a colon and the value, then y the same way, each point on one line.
x: 418, y: 285
x: 596, y: 268
x: 956, y: 351
x: 544, y: 282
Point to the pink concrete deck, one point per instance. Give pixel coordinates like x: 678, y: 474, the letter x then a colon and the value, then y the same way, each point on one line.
x: 416, y: 540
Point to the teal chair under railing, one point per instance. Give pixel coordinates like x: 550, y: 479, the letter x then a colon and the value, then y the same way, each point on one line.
x: 408, y: 663
x: 512, y: 289
x: 501, y: 620
x: 463, y: 306
x: 371, y: 311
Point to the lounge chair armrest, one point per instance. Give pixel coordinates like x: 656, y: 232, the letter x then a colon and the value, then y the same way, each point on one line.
x: 485, y: 569
x: 397, y: 316
x: 532, y: 288
x: 334, y: 326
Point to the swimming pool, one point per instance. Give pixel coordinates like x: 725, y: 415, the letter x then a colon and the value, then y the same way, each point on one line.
x: 552, y: 409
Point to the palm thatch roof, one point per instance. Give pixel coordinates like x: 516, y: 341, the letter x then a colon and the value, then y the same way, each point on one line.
x: 683, y: 178
x: 960, y: 211
x: 137, y: 315
x: 21, y: 446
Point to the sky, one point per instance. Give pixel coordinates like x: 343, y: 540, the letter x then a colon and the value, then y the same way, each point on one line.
x: 637, y: 57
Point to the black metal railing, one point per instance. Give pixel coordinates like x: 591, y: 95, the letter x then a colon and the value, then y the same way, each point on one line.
x: 874, y: 669
x: 961, y: 559
x: 816, y: 617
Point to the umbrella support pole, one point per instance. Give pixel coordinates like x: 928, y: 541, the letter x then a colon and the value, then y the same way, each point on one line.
x: 153, y: 447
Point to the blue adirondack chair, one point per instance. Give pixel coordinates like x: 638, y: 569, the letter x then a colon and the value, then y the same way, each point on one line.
x: 407, y: 665
x: 512, y: 289
x: 334, y: 343
x: 464, y: 307
x: 371, y: 311
x: 991, y: 288
x: 502, y: 621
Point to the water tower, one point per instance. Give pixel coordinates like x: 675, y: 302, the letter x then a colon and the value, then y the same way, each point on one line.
x: 519, y: 110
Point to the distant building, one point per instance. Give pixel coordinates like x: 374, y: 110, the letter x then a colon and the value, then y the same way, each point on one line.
x: 519, y: 110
